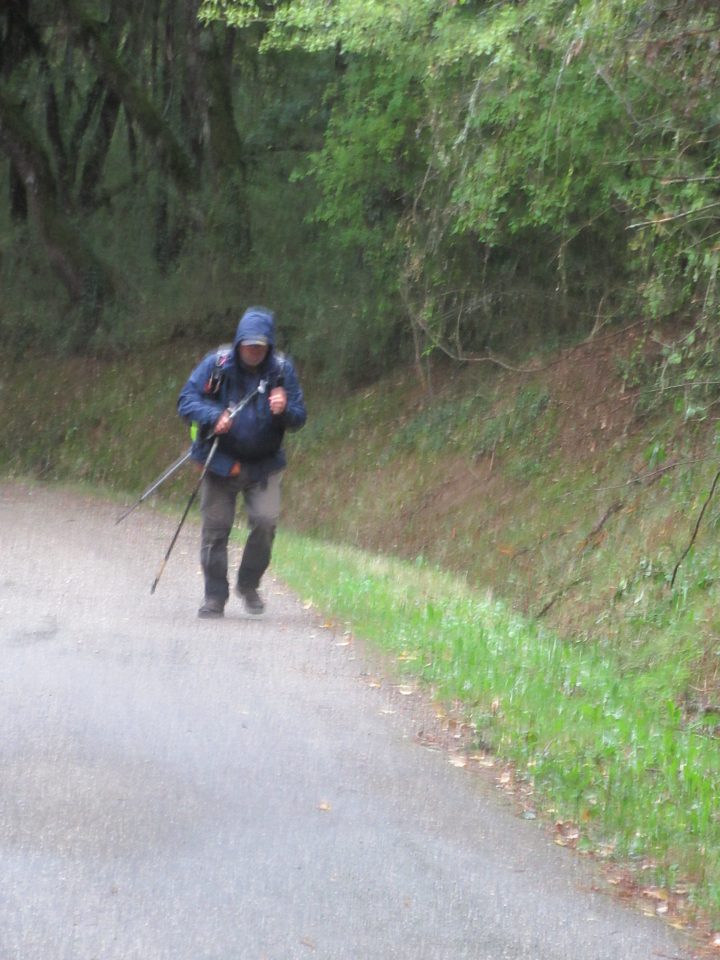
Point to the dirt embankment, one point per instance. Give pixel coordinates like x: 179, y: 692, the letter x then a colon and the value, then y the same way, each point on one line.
x: 573, y: 503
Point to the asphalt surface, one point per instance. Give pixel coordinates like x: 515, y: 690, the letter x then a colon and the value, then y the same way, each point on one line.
x: 178, y: 789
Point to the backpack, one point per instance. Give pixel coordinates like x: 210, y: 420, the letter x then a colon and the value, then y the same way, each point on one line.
x: 214, y: 381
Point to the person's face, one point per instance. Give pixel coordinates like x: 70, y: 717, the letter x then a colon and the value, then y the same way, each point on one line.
x: 253, y: 354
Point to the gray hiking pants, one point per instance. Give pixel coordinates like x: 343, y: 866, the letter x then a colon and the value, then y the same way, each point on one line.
x: 218, y: 497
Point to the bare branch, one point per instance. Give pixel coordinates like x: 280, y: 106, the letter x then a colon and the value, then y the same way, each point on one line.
x: 675, y: 216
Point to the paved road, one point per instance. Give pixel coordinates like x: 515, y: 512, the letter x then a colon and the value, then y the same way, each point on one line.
x: 175, y: 789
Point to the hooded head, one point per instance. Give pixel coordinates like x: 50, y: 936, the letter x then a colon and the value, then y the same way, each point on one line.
x: 256, y: 327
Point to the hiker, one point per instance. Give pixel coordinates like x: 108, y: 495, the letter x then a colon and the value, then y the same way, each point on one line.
x: 249, y: 459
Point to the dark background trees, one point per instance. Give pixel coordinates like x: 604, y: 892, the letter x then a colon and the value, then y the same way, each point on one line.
x: 395, y: 179
x: 117, y: 123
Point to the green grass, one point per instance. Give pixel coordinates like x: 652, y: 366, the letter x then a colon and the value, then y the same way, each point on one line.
x: 602, y: 745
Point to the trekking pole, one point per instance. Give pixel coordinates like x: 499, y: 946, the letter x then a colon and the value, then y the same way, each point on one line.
x: 187, y: 510
x: 155, y: 484
x: 259, y: 389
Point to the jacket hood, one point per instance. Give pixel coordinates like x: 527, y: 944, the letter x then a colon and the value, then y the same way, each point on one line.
x: 256, y: 322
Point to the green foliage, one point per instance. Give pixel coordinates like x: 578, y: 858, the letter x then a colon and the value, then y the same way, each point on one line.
x: 559, y: 156
x: 370, y: 162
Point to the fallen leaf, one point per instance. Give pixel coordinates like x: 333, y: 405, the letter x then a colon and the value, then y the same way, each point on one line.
x: 324, y: 807
x: 656, y: 893
x: 427, y: 740
x: 405, y: 690
x: 458, y: 760
x: 567, y: 833
x: 483, y: 759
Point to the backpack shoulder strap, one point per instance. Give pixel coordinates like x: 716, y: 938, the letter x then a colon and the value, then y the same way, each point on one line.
x: 223, y: 355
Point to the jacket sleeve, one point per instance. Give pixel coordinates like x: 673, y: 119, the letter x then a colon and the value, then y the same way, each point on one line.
x: 193, y: 403
x: 295, y: 414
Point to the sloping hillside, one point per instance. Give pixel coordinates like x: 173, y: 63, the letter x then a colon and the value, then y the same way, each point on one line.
x: 564, y: 486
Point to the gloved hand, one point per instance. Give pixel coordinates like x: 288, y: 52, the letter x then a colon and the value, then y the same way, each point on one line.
x: 277, y: 400
x: 223, y: 423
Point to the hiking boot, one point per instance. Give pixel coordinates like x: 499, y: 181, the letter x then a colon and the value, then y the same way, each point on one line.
x: 253, y: 601
x: 213, y: 607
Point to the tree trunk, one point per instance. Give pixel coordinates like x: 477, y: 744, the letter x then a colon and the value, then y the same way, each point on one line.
x: 82, y: 125
x: 18, y: 196
x: 99, y: 151
x: 225, y: 146
x: 55, y: 137
x: 20, y: 35
x: 137, y: 105
x: 84, y: 275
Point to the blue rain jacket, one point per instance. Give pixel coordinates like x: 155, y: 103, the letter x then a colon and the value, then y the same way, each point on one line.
x: 255, y: 437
